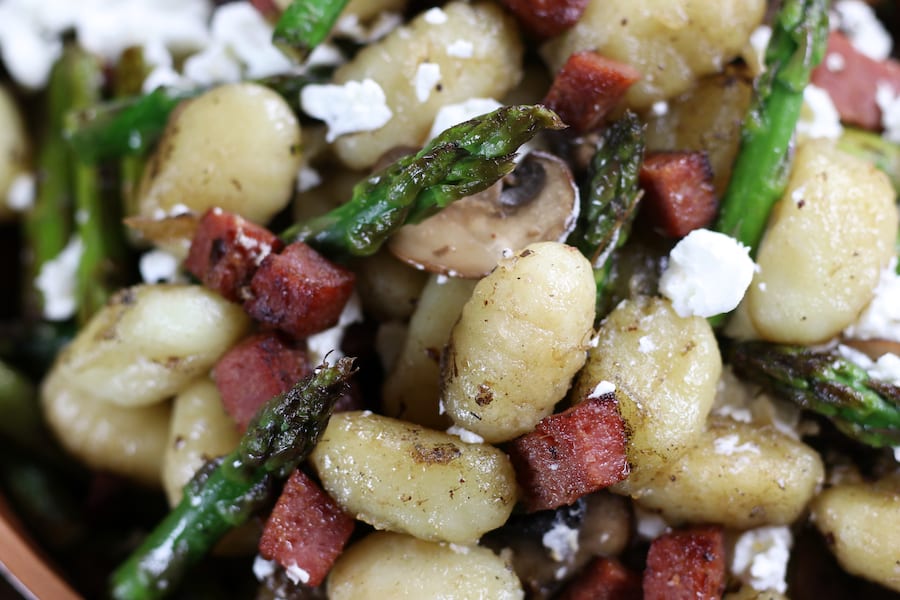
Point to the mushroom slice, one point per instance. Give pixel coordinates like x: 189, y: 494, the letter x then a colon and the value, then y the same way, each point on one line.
x: 536, y: 202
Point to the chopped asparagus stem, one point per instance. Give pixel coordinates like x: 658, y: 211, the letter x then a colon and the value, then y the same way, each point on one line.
x: 461, y: 161
x: 761, y: 169
x: 227, y: 492
x: 305, y: 24
x: 825, y: 382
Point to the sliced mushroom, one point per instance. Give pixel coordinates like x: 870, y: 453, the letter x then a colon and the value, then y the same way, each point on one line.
x: 537, y: 202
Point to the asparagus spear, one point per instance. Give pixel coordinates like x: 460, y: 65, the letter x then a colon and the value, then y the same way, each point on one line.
x: 761, y: 169
x: 461, y: 161
x: 609, y: 203
x: 226, y: 492
x: 304, y: 25
x: 824, y: 382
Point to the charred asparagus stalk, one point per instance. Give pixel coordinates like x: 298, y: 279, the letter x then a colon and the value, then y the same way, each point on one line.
x: 228, y: 491
x: 762, y: 166
x: 609, y: 201
x: 304, y: 25
x: 825, y: 382
x: 461, y: 161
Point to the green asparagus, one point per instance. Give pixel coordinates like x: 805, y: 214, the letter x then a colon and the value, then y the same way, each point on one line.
x: 304, y: 25
x: 461, y: 161
x: 825, y: 382
x: 228, y: 491
x: 762, y: 166
x: 609, y: 202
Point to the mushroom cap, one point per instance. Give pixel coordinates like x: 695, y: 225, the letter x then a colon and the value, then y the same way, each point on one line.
x: 537, y: 202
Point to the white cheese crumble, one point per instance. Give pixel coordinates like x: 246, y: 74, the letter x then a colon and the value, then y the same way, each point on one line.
x: 461, y: 49
x: 858, y: 21
x: 761, y: 557
x: 351, y: 27
x: 730, y: 444
x: 454, y: 114
x: 818, y: 117
x: 308, y: 178
x: 56, y: 281
x: 329, y: 341
x: 835, y: 62
x: 349, y: 108
x: 888, y: 100
x: 296, y: 574
x: 649, y: 525
x: 886, y: 368
x: 707, y: 274
x: 659, y: 108
x: 263, y: 568
x: 435, y: 16
x: 158, y: 266
x: 881, y: 318
x: 465, y: 435
x: 561, y: 541
x: 759, y: 42
x: 427, y: 77
x: 245, y: 33
x: 21, y: 193
x: 601, y: 389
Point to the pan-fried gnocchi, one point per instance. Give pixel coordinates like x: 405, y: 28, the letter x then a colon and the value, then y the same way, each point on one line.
x: 828, y: 240
x: 738, y: 475
x: 471, y: 50
x: 236, y: 147
x: 664, y: 369
x: 521, y: 338
x: 149, y: 342
x: 392, y: 565
x: 672, y: 43
x: 405, y: 478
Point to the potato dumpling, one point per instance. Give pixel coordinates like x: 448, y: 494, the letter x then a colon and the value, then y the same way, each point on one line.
x: 149, y: 342
x: 476, y: 51
x: 396, y: 566
x: 521, y: 338
x: 13, y: 147
x: 736, y: 474
x: 200, y: 430
x: 827, y: 240
x: 402, y: 477
x: 671, y: 42
x: 236, y: 146
x: 861, y: 521
x: 665, y: 369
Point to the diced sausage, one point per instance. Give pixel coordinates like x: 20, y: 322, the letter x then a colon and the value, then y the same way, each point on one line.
x: 571, y: 454
x: 587, y: 88
x: 226, y: 251
x: 851, y: 79
x: 686, y: 564
x: 678, y: 192
x: 546, y: 18
x: 299, y: 291
x: 260, y: 367
x: 306, y: 531
x: 604, y: 579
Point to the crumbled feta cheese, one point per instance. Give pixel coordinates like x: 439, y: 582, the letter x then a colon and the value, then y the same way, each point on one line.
x: 56, y: 281
x: 835, y: 62
x: 435, y: 16
x: 818, y: 117
x: 761, y: 557
x: 349, y: 108
x: 329, y: 341
x: 158, y: 266
x: 465, y: 435
x: 744, y: 403
x: 308, y: 178
x: 881, y: 318
x: 20, y: 195
x: 649, y: 525
x: 461, y: 49
x: 858, y: 21
x: 454, y: 114
x: 263, y: 568
x: 248, y: 37
x: 428, y: 75
x: 215, y: 64
x: 458, y: 548
x: 707, y: 274
x: 659, y: 108
x: 349, y: 26
x: 886, y: 368
x: 601, y: 389
x: 888, y: 101
x: 646, y: 344
x: 897, y: 453
x: 561, y: 541
x: 731, y: 444
x: 759, y: 41
x: 296, y: 574
x: 325, y: 54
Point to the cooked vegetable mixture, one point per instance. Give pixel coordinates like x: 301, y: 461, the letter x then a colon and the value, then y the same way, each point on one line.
x: 493, y: 299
